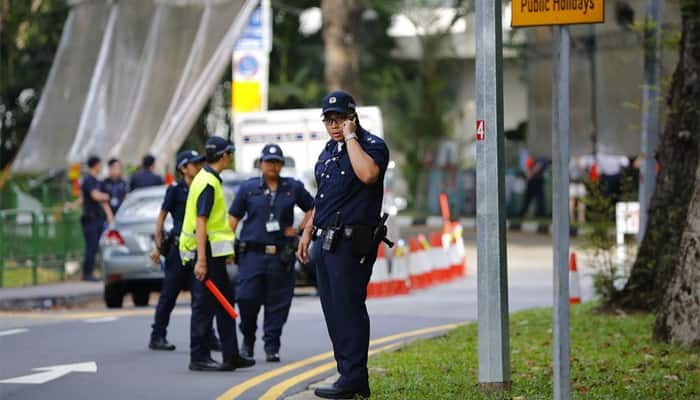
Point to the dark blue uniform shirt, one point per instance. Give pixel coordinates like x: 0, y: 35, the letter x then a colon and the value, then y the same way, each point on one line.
x: 174, y: 203
x: 144, y: 178
x: 205, y: 201
x: 340, y: 190
x: 91, y: 208
x: 255, y: 201
x: 116, y: 189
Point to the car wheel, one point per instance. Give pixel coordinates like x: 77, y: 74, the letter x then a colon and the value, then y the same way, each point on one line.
x: 114, y: 296
x: 140, y: 297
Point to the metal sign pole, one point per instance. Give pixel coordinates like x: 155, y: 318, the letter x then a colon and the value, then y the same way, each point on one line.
x: 560, y: 212
x: 650, y: 112
x: 492, y: 289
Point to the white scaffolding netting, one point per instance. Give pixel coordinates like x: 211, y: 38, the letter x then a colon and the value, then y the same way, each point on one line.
x: 58, y: 113
x: 143, y: 79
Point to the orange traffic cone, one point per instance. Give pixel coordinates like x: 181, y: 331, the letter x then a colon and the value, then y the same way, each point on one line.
x: 574, y: 283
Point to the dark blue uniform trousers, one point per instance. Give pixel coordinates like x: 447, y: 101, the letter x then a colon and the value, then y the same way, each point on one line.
x: 264, y: 281
x: 92, y: 230
x: 205, y: 306
x: 342, y: 285
x: 176, y: 278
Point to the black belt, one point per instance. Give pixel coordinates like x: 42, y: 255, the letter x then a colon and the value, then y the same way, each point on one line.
x: 269, y: 249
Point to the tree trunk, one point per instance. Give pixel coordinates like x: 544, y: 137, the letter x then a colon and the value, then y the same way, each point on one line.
x: 341, y: 25
x: 662, y: 253
x: 678, y: 317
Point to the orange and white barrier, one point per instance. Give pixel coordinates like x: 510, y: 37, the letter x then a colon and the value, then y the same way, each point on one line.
x: 461, y: 267
x: 574, y: 282
x: 427, y: 261
x: 441, y: 273
x: 400, y: 283
x: 379, y: 281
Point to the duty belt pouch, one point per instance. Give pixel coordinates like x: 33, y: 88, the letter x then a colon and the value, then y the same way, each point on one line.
x: 331, y: 237
x: 287, y: 252
x: 362, y: 241
x: 238, y: 249
x: 166, y: 243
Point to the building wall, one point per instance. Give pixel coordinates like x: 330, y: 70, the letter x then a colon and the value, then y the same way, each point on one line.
x: 618, y: 61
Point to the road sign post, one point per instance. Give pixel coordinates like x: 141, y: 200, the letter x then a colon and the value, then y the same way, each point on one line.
x: 560, y: 209
x: 650, y: 111
x: 560, y: 13
x: 492, y: 289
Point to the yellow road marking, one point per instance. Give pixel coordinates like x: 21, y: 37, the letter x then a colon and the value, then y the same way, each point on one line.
x: 278, y: 390
x: 239, y: 389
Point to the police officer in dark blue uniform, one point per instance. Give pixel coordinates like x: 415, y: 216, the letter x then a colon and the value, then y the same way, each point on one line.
x: 266, y: 248
x: 95, y: 213
x: 346, y: 231
x: 145, y: 176
x: 207, y: 238
x: 115, y: 185
x: 176, y: 276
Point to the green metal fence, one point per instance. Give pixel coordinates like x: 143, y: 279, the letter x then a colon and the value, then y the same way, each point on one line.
x: 36, y: 246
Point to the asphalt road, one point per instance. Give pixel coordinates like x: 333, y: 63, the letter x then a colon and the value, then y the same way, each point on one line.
x: 116, y: 341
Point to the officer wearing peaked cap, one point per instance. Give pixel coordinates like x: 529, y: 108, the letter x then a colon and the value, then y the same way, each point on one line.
x: 265, y: 249
x: 346, y: 218
x: 176, y: 276
x: 207, y: 240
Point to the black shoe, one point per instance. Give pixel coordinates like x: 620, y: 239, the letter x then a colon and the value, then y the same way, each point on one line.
x: 230, y: 364
x: 272, y: 357
x: 337, y: 392
x: 215, y: 345
x: 160, y: 343
x: 246, y: 351
x: 205, y: 365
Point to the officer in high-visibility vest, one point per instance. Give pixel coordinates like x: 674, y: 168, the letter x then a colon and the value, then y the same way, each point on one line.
x: 207, y: 239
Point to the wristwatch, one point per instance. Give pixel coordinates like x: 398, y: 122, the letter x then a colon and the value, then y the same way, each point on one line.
x: 350, y: 136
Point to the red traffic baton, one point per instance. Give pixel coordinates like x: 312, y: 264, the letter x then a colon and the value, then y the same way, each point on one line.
x: 220, y: 298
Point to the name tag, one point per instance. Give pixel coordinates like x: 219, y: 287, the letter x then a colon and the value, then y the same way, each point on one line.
x: 272, y: 226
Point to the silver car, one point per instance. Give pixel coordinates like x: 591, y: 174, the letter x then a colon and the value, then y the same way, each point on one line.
x: 125, y: 249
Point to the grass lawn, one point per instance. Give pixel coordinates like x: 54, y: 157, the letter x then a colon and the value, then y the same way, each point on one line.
x: 612, y: 357
x: 22, y: 276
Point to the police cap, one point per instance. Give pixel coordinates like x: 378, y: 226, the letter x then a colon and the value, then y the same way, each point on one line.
x: 272, y: 152
x: 338, y: 101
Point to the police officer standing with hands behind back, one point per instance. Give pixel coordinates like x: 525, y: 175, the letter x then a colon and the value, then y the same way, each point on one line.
x: 207, y: 239
x: 265, y: 250
x: 347, y: 228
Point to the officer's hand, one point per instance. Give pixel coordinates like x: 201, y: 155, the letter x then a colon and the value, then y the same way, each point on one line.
x: 290, y: 232
x: 349, y: 127
x: 155, y: 256
x: 303, y: 249
x: 200, y: 270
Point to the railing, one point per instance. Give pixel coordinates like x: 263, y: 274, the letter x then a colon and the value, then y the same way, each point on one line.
x: 36, y: 246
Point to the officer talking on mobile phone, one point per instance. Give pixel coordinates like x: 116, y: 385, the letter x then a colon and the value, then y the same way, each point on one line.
x: 347, y: 228
x: 265, y: 249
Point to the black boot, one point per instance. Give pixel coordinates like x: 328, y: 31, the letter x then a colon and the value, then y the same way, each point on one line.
x: 205, y: 365
x: 337, y: 392
x: 246, y: 350
x: 159, y: 343
x: 231, y: 363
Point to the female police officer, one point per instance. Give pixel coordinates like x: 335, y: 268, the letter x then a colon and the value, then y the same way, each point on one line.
x: 350, y: 173
x: 176, y: 276
x: 266, y: 249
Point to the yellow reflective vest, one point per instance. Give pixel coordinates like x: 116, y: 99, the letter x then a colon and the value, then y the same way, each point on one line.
x: 219, y: 233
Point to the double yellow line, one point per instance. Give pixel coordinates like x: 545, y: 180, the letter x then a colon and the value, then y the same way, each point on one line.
x: 279, y: 389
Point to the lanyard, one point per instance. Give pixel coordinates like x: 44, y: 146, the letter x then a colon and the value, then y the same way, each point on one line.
x: 271, y: 203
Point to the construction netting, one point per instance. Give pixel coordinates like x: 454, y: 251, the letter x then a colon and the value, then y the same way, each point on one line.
x: 131, y: 77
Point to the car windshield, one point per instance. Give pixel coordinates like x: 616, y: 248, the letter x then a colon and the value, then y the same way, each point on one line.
x: 140, y: 208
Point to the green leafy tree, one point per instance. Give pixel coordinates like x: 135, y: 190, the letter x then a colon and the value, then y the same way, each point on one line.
x: 29, y: 35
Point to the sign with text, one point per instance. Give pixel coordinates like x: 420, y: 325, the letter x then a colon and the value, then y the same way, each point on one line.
x: 480, y: 130
x: 557, y: 12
